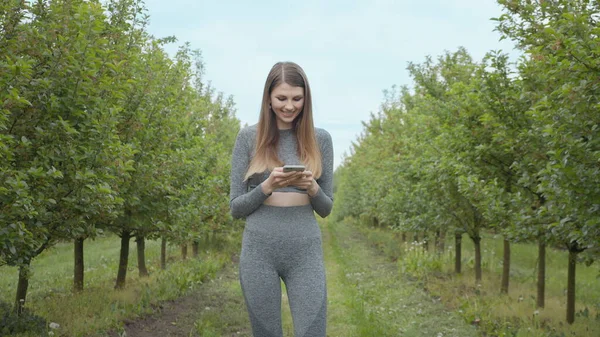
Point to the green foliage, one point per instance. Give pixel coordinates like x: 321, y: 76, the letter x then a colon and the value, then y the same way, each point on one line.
x: 560, y: 76
x: 59, y: 115
x: 100, y: 130
x: 183, y: 277
x: 11, y: 324
x: 509, y: 146
x: 418, y: 263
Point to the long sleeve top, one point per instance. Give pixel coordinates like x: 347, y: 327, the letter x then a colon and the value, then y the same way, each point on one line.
x: 247, y: 196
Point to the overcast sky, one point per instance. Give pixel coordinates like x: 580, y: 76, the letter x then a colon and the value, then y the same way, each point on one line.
x: 350, y: 50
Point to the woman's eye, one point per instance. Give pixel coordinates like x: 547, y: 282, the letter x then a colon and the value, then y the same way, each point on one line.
x: 298, y: 99
x: 281, y: 99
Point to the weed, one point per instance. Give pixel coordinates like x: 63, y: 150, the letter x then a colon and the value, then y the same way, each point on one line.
x: 11, y: 324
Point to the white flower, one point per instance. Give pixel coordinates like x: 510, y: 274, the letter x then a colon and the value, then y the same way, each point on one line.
x: 54, y: 325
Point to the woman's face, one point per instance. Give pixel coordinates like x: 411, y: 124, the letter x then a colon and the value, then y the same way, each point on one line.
x: 286, y: 102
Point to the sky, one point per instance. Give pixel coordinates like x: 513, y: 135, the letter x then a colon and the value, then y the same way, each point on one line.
x: 351, y: 51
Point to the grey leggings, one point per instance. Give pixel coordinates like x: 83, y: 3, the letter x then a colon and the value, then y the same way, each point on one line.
x: 284, y: 242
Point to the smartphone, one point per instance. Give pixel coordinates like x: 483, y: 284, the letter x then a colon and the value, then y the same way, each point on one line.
x: 295, y: 168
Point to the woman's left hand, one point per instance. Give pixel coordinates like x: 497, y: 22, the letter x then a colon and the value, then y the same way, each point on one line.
x: 307, y: 182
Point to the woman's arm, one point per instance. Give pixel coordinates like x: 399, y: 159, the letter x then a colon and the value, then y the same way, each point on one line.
x: 241, y: 202
x: 322, y: 200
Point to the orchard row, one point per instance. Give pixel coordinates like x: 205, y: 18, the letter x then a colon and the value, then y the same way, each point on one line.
x: 102, y: 131
x: 509, y: 146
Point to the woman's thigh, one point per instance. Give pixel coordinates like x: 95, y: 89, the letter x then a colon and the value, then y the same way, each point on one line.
x: 261, y: 287
x: 307, y: 291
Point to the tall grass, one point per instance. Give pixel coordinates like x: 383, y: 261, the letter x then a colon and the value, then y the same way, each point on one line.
x: 99, y: 308
x: 377, y: 301
x: 513, y: 314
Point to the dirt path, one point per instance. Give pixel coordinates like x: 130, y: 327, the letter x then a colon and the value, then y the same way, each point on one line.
x: 216, y: 308
x: 366, y: 297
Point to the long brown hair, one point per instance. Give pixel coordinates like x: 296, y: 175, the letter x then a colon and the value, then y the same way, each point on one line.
x: 267, y: 134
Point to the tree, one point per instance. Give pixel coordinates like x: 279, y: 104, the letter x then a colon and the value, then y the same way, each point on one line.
x: 560, y: 76
x: 60, y: 176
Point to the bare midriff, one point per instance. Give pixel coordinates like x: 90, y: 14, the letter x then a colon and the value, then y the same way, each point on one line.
x: 287, y: 199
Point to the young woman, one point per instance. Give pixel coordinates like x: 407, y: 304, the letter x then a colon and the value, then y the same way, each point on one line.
x: 281, y: 239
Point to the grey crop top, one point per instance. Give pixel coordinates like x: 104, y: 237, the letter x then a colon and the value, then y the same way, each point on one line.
x: 246, y: 196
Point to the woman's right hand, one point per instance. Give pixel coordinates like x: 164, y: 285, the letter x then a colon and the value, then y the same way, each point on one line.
x: 278, y: 179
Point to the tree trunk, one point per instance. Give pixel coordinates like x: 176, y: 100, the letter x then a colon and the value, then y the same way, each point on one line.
x: 22, y: 286
x: 141, y: 256
x: 571, y: 285
x: 477, y: 242
x: 163, y: 253
x: 440, y: 237
x: 195, y: 248
x: 123, y: 259
x: 403, y: 237
x: 541, y: 277
x: 426, y: 241
x: 457, y: 252
x: 505, y: 267
x: 78, y: 265
x: 184, y: 251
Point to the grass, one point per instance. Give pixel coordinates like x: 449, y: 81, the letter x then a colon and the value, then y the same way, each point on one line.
x: 524, y: 257
x: 99, y: 308
x: 377, y: 300
x: 519, y: 305
x: 366, y: 297
x: 230, y: 317
x: 376, y: 287
x: 514, y: 314
x: 340, y: 322
x: 223, y: 312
